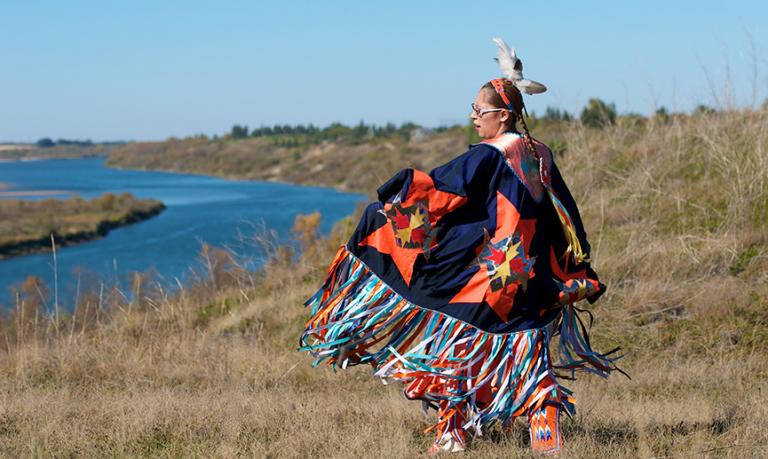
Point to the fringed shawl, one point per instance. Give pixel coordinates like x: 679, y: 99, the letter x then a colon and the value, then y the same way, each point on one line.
x: 454, y: 282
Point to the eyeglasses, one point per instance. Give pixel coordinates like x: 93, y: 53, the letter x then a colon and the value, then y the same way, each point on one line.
x: 482, y: 111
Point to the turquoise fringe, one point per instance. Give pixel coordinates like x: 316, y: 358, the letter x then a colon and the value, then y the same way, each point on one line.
x: 358, y: 319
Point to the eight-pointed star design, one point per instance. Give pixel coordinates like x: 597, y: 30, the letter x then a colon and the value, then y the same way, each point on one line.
x: 421, y: 192
x: 503, y: 265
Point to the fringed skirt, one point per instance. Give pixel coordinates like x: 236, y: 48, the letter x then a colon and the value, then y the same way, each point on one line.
x: 472, y: 376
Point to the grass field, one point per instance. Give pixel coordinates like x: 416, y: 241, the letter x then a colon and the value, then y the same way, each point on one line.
x: 675, y: 210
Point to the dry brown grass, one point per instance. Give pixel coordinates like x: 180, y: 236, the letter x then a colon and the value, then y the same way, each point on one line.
x: 676, y: 215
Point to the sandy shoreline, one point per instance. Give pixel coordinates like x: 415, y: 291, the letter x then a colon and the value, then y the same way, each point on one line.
x: 22, y: 193
x: 6, y: 191
x: 16, y: 146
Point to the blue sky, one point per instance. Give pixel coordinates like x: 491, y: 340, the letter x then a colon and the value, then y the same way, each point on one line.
x: 142, y: 70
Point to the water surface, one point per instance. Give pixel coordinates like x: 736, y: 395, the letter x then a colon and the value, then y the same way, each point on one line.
x: 200, y: 209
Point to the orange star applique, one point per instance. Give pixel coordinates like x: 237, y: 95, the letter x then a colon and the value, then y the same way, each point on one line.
x: 503, y: 262
x: 410, y: 228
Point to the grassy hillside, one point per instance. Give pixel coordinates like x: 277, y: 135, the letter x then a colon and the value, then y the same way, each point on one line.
x: 349, y: 164
x: 26, y: 226
x: 675, y: 210
x: 346, y: 166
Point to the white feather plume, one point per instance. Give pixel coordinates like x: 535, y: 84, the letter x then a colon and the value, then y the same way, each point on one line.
x: 512, y: 69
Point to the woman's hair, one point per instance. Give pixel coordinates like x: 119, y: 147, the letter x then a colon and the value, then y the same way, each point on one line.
x: 516, y: 99
x: 514, y: 96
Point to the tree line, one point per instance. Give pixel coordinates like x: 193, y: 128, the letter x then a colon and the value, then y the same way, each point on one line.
x: 47, y: 142
x: 299, y: 135
x: 595, y: 114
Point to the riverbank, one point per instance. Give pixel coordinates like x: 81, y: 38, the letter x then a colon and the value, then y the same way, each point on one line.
x: 26, y: 226
x: 31, y: 152
x: 345, y: 166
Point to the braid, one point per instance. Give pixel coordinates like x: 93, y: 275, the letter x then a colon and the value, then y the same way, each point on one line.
x: 527, y: 137
x: 543, y: 171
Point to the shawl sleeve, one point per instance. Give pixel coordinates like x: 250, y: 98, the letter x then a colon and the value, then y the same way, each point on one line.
x: 596, y: 288
x: 465, y: 175
x: 562, y: 191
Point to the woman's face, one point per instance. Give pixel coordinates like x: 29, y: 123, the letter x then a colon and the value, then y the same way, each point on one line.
x: 488, y: 124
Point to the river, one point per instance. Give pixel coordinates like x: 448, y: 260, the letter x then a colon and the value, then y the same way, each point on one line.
x: 200, y: 209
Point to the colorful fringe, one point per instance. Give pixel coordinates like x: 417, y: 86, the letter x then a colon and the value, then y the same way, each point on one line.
x: 569, y: 230
x: 474, y: 377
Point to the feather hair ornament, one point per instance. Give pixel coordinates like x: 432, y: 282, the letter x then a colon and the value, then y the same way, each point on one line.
x: 512, y: 68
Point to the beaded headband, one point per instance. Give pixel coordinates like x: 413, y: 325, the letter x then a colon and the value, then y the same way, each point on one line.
x: 498, y: 85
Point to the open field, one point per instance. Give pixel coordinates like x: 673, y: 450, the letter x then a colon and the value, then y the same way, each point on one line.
x: 676, y: 213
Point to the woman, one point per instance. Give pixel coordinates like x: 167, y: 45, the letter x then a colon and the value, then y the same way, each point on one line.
x: 455, y: 281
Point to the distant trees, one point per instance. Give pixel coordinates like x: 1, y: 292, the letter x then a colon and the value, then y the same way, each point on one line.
x: 598, y: 113
x: 595, y: 114
x: 301, y: 135
x: 471, y: 133
x: 661, y: 114
x: 555, y: 114
x: 239, y: 132
x: 703, y: 110
x: 46, y: 142
x: 78, y: 143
